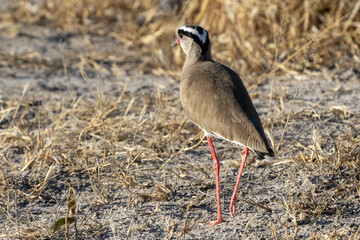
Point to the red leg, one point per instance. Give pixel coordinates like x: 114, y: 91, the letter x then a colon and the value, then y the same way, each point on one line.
x: 233, y: 198
x: 217, y: 171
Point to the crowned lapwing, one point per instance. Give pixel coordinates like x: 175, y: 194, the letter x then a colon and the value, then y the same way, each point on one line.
x: 215, y: 99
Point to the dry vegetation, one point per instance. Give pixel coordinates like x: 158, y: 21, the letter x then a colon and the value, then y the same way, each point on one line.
x: 255, y: 37
x: 125, y: 142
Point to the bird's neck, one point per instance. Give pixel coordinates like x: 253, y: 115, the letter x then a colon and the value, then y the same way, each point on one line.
x: 196, y: 55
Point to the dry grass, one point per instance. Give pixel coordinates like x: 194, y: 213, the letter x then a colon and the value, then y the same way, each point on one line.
x: 257, y: 38
x: 122, y: 140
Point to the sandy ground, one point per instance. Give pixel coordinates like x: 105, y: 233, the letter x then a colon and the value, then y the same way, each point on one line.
x: 290, y: 198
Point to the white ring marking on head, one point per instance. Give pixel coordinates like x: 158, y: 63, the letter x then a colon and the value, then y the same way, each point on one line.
x: 202, y: 36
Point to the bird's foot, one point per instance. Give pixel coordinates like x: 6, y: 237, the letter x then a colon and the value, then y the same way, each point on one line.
x: 213, y: 223
x: 232, y: 207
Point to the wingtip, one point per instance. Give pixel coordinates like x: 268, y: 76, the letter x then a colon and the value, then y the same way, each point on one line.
x: 269, y: 156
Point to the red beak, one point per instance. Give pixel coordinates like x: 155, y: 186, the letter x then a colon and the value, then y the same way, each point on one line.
x: 177, y: 42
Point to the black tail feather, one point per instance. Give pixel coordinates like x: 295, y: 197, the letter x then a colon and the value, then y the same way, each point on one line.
x: 263, y: 155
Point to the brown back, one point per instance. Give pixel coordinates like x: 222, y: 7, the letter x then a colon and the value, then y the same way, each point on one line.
x: 214, y: 97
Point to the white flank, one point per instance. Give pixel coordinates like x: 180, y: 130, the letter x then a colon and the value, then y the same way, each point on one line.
x: 202, y: 37
x: 212, y: 134
x: 267, y: 158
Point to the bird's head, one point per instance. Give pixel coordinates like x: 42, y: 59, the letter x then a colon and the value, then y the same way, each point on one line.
x: 194, y: 40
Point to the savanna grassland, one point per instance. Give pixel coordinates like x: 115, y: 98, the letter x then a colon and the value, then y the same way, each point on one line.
x: 94, y: 143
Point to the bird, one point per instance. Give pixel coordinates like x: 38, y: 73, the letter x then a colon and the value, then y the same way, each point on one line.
x: 215, y: 99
